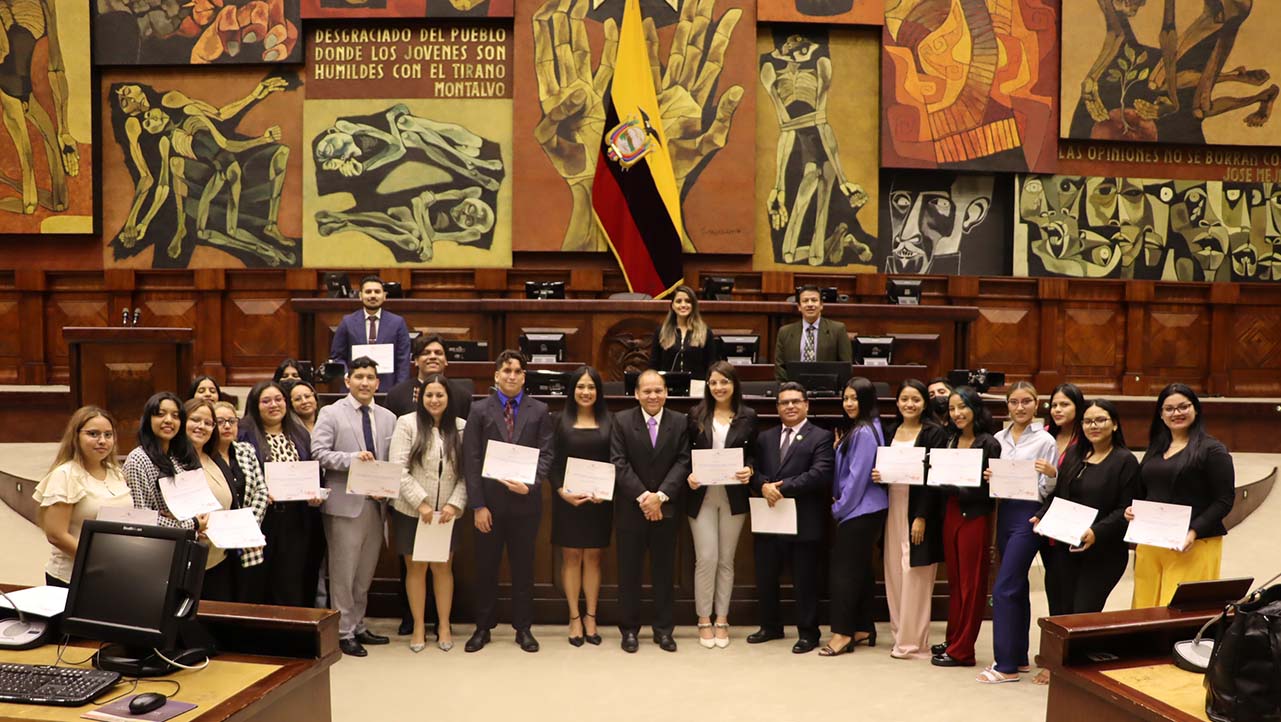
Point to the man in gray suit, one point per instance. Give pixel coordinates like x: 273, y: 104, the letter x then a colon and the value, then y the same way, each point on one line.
x: 813, y: 338
x: 354, y: 430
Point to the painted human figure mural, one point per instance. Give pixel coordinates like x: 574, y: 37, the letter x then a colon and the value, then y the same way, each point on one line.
x: 940, y: 223
x: 167, y: 32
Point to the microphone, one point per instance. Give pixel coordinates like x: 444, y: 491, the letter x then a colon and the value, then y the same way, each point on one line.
x: 124, y: 317
x: 137, y: 315
x: 1193, y: 655
x: 21, y: 633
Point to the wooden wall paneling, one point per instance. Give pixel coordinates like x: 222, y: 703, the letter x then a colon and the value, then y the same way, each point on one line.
x: 1177, y: 346
x: 211, y: 285
x: 1006, y: 337
x: 1223, y: 298
x: 11, y: 323
x: 1093, y: 337
x: 1138, y: 295
x: 30, y: 284
x: 1051, y: 292
x: 72, y: 298
x: 261, y: 332
x: 1254, y: 350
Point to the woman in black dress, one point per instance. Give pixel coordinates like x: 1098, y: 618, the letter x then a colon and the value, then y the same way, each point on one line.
x: 581, y: 523
x: 684, y: 343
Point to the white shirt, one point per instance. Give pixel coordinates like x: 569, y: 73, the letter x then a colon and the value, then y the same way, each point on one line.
x: 378, y: 314
x: 796, y: 433
x: 805, y: 329
x: 658, y: 422
x: 719, y: 433
x: 373, y: 424
x: 1033, y: 444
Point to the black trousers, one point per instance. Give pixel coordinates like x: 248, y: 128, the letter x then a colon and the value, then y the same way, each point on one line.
x: 1085, y: 579
x: 517, y: 533
x: 1054, y: 595
x: 220, y: 581
x: 772, y: 553
x: 851, y: 581
x: 290, y: 569
x: 659, y: 539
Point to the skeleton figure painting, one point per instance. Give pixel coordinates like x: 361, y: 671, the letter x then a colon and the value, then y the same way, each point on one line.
x: 818, y: 207
x: 942, y: 223
x: 198, y: 32
x: 203, y: 176
x: 45, y: 160
x: 1170, y: 71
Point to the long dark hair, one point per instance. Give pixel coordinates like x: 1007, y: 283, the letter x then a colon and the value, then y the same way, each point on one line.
x: 1159, y: 436
x: 983, y: 423
x: 195, y: 384
x: 865, y: 392
x: 449, y: 436
x: 703, y: 412
x: 280, y: 370
x: 289, y: 425
x: 179, y: 447
x: 928, y: 417
x: 1074, y: 458
x: 600, y: 409
x: 1078, y: 401
x: 288, y: 388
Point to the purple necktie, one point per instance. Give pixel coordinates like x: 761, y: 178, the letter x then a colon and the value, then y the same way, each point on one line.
x: 653, y: 432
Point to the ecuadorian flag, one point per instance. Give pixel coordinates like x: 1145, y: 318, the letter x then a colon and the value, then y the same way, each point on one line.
x: 635, y: 197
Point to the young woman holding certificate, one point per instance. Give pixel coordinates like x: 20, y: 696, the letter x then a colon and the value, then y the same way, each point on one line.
x: 246, y: 479
x: 581, y: 523
x: 858, y: 508
x: 717, y: 512
x: 428, y: 445
x: 220, y: 573
x: 1103, y: 475
x: 967, y: 519
x: 1182, y: 465
x: 913, y: 544
x: 1018, y: 544
x: 163, y: 450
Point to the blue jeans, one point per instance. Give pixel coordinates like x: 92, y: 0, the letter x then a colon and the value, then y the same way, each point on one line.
x: 1011, y: 607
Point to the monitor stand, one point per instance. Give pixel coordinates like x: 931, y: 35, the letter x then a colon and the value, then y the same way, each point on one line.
x: 194, y: 647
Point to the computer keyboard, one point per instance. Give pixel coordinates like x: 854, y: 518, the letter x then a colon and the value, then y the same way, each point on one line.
x: 63, y: 686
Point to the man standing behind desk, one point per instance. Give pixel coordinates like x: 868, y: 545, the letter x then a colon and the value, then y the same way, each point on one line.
x: 506, y: 512
x: 650, y: 449
x: 793, y: 461
x: 373, y: 325
x: 352, y: 431
x: 813, y: 338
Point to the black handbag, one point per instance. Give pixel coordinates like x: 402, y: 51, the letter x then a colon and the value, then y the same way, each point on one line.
x: 1243, y: 681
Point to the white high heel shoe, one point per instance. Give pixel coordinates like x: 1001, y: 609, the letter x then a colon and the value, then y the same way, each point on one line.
x: 707, y: 643
x: 722, y: 642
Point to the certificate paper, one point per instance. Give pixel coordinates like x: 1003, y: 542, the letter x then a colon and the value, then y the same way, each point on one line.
x: 292, y: 480
x: 374, y: 478
x: 1014, y: 479
x: 697, y: 387
x: 901, y: 464
x: 129, y: 515
x: 594, y: 478
x: 717, y: 467
x: 187, y: 495
x: 956, y: 467
x: 383, y: 354
x: 509, y: 461
x: 431, y: 541
x: 1066, y: 521
x: 235, y: 529
x: 778, y: 519
x: 1160, y: 525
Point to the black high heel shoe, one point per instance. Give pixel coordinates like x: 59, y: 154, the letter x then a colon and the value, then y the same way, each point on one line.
x: 576, y: 641
x: 592, y: 639
x: 869, y: 640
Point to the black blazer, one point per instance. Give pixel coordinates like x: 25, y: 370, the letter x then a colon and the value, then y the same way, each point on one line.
x: 1108, y: 486
x: 682, y: 357
x: 642, y: 467
x: 1208, y: 486
x: 533, y: 428
x: 400, y: 398
x: 975, y: 501
x: 742, y: 434
x: 806, y: 475
x: 925, y: 502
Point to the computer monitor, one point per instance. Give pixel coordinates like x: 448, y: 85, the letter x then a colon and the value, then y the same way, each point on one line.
x: 393, y: 289
x: 136, y: 587
x: 717, y: 288
x: 467, y: 350
x: 544, y: 289
x: 541, y: 382
x: 739, y: 350
x: 828, y: 294
x: 677, y: 382
x: 873, y: 350
x: 337, y: 285
x: 820, y: 378
x: 903, y: 292
x: 543, y: 348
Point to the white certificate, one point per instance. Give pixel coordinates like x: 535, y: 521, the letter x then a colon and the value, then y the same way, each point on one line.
x: 129, y: 515
x: 292, y: 480
x: 717, y: 467
x: 901, y: 464
x: 1160, y: 525
x: 1014, y: 479
x: 45, y: 601
x: 374, y: 478
x: 383, y: 354
x: 235, y: 529
x: 696, y: 388
x: 432, y: 541
x: 594, y: 478
x: 1066, y: 521
x: 956, y: 467
x: 777, y: 519
x: 188, y: 495
x: 510, y: 462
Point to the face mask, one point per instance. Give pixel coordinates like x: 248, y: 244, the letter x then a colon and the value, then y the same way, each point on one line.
x: 939, y: 404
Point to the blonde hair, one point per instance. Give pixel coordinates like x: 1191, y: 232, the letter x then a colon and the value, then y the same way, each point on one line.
x: 69, y: 446
x: 225, y: 405
x: 697, y: 327
x: 1021, y: 386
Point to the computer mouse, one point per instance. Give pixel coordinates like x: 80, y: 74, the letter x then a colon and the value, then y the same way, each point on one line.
x: 146, y: 702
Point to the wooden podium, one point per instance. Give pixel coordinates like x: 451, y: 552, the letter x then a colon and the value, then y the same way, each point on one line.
x: 120, y: 367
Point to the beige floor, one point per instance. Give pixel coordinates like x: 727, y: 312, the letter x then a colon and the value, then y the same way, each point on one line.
x: 742, y: 683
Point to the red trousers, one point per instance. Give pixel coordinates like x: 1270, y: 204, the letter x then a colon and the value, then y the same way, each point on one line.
x: 965, y: 550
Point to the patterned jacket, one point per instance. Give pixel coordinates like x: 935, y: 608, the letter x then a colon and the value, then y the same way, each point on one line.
x: 245, y: 460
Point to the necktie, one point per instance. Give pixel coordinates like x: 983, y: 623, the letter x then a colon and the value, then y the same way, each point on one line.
x: 807, y: 350
x: 509, y: 418
x: 373, y: 329
x: 367, y: 425
x: 787, y: 445
x: 653, y: 432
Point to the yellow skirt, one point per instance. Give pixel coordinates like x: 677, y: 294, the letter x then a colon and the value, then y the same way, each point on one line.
x: 1158, y: 572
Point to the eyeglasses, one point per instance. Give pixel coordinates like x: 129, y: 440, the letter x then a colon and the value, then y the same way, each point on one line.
x: 1180, y: 409
x: 790, y: 402
x: 200, y: 423
x: 1021, y: 402
x: 272, y: 402
x: 1092, y: 423
x: 226, y: 423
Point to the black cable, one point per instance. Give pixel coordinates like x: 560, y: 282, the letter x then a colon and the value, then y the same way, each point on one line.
x: 135, y: 681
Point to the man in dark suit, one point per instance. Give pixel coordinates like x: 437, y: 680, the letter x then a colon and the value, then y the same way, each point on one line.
x: 650, y: 449
x: 793, y: 461
x: 813, y: 338
x: 506, y: 512
x: 429, y: 358
x: 372, y: 325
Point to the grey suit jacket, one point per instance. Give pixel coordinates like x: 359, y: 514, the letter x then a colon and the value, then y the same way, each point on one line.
x: 833, y: 345
x: 337, y: 439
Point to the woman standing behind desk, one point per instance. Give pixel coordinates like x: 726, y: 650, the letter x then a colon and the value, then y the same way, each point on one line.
x: 246, y: 479
x: 220, y: 572
x: 163, y: 450
x: 84, y: 478
x: 684, y: 342
x: 303, y: 403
